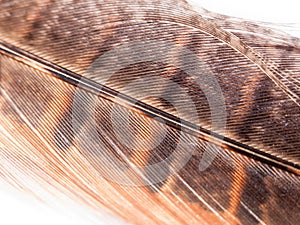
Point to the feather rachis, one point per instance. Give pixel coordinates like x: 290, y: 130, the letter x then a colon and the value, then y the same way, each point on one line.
x: 204, y: 194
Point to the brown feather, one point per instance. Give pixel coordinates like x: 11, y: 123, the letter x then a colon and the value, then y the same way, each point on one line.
x: 151, y: 110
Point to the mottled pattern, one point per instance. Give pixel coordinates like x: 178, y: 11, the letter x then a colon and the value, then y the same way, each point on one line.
x: 139, y: 49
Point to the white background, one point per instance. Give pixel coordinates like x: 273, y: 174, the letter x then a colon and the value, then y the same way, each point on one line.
x: 15, y: 208
x: 263, y: 10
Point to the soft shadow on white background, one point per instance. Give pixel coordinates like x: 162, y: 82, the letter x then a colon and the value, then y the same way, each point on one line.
x: 15, y: 208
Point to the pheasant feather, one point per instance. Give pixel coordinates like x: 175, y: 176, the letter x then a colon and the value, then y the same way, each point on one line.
x: 151, y: 110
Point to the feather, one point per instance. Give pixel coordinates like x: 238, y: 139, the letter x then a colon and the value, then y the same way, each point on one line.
x: 151, y: 110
